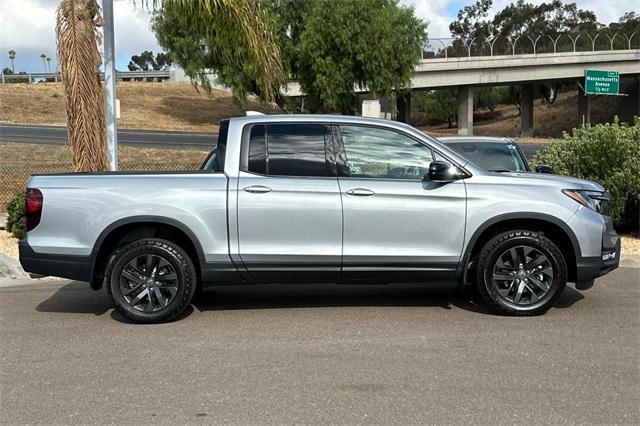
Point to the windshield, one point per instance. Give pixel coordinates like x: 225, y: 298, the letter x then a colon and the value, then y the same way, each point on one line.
x: 494, y: 157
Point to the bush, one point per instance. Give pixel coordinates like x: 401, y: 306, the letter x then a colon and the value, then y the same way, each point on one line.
x: 16, y: 216
x: 608, y: 154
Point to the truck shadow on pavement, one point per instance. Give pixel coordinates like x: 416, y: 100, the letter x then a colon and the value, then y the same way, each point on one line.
x: 77, y: 297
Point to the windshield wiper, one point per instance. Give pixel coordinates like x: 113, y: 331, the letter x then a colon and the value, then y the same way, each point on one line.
x: 500, y: 170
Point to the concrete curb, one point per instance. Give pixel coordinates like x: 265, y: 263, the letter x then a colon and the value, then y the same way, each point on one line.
x: 630, y: 261
x: 10, y: 268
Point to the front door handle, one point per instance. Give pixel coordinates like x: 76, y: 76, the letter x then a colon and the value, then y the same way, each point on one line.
x: 361, y: 192
x: 257, y: 189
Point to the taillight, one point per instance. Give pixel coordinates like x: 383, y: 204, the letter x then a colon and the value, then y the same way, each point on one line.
x: 33, y: 204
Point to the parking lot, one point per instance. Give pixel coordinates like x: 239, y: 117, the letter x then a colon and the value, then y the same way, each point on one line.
x: 321, y: 354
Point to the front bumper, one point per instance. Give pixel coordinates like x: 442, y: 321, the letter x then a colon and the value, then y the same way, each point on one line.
x: 57, y: 265
x: 590, y: 268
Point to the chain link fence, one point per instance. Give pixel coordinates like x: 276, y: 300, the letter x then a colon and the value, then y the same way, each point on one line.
x: 19, y: 161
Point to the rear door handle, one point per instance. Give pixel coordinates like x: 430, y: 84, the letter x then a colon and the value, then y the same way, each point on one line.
x: 361, y: 192
x: 257, y: 189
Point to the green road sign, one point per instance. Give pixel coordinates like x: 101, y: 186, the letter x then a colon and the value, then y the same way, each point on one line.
x: 601, y: 82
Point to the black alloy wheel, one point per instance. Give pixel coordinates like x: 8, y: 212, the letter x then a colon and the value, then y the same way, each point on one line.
x: 151, y: 280
x: 521, y: 272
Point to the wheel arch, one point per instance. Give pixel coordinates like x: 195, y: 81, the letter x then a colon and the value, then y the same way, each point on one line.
x: 133, y: 228
x: 555, y: 228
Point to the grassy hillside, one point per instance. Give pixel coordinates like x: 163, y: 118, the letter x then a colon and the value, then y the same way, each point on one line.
x: 179, y: 106
x: 163, y: 106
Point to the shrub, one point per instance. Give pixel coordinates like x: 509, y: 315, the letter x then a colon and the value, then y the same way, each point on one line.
x: 16, y: 216
x: 608, y: 154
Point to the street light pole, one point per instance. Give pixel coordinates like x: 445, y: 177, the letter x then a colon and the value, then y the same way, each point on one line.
x: 110, y: 86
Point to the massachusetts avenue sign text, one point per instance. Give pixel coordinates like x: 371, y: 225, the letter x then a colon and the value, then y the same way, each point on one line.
x: 601, y: 82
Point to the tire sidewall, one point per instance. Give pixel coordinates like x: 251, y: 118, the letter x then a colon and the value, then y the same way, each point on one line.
x: 169, y: 252
x: 523, y: 238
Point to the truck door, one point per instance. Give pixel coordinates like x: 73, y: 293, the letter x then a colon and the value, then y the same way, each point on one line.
x: 289, y: 207
x: 395, y: 223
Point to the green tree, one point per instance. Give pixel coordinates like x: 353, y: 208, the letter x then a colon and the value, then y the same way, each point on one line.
x: 231, y: 31
x: 550, y: 18
x: 44, y: 63
x: 163, y: 60
x: 369, y: 44
x: 197, y: 51
x: 7, y: 71
x: 473, y: 21
x: 488, y: 97
x: 329, y: 47
x: 440, y: 105
x: 12, y: 57
x: 146, y: 61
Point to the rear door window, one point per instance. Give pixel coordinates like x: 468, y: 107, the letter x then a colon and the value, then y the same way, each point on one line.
x: 297, y: 149
x: 289, y: 149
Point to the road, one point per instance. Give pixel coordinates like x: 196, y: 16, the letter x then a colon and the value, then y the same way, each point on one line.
x: 57, y: 135
x: 142, y: 138
x: 321, y: 354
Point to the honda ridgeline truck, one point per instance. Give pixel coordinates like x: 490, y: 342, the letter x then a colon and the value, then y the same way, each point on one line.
x: 319, y: 199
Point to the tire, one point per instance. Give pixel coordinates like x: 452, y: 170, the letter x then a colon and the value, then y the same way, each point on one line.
x: 151, y: 281
x: 512, y: 289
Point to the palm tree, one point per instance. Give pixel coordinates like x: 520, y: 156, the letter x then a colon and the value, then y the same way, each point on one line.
x: 76, y: 31
x: 77, y: 23
x: 48, y: 64
x: 12, y: 57
x: 44, y: 64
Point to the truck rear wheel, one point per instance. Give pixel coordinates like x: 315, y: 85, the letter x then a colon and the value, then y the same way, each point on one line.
x: 521, y: 273
x: 151, y: 280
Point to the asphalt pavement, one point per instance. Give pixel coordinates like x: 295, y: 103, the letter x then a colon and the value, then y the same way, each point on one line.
x: 396, y: 354
x: 57, y: 135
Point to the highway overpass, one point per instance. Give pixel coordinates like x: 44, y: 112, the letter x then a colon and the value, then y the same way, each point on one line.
x: 465, y: 73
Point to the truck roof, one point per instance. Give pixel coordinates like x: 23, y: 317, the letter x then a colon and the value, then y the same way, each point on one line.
x: 478, y: 139
x: 334, y: 118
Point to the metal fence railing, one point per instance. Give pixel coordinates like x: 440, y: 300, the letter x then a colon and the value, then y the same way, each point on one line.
x: 14, y: 174
x: 153, y: 75
x: 603, y: 39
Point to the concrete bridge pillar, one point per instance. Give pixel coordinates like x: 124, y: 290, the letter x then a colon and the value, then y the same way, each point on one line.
x: 526, y: 110
x: 584, y: 108
x: 465, y: 110
x: 403, y: 100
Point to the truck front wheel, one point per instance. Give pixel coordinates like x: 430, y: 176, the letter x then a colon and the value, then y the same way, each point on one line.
x: 521, y: 272
x: 151, y: 280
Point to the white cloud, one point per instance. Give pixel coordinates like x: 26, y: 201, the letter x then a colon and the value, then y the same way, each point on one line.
x: 132, y: 31
x: 434, y: 12
x: 28, y: 27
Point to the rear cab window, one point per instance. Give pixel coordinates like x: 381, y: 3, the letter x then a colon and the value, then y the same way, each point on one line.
x: 215, y: 160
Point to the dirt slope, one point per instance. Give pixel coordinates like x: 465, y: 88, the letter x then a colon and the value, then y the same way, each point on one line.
x: 163, y: 106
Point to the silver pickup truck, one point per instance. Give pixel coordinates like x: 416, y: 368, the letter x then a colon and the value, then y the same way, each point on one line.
x: 312, y: 198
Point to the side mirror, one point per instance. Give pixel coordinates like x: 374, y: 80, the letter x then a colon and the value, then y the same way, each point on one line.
x: 543, y: 168
x: 440, y: 171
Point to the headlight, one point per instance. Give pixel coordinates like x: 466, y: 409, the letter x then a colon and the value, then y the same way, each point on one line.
x: 594, y: 200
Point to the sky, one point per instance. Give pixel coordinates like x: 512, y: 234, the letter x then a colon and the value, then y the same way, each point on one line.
x: 27, y: 26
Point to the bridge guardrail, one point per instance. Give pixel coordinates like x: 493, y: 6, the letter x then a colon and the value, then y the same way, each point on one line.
x: 121, y: 75
x: 530, y: 44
